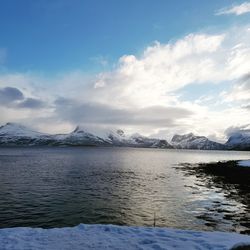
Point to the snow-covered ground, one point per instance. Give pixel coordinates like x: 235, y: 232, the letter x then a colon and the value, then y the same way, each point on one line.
x: 115, y: 237
x: 245, y: 163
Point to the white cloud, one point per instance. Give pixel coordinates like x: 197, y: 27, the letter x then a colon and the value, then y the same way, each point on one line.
x: 236, y: 9
x: 240, y: 92
x: 162, y: 69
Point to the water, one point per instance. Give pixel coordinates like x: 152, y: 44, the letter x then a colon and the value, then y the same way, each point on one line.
x: 57, y: 187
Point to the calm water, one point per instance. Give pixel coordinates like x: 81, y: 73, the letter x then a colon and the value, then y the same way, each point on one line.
x: 57, y: 187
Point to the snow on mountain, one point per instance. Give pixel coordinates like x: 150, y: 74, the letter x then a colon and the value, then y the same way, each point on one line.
x: 14, y: 129
x: 12, y: 134
x: 16, y: 134
x: 239, y: 140
x: 79, y: 137
x: 191, y: 141
x: 119, y: 138
x: 150, y: 142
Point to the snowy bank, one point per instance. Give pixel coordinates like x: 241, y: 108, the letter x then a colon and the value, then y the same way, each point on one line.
x: 115, y: 237
x: 245, y: 163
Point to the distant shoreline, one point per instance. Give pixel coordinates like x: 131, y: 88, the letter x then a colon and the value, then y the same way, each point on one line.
x: 115, y: 146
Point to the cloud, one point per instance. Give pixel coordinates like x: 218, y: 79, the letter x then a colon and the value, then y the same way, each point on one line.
x: 14, y: 98
x: 162, y: 69
x: 8, y: 95
x: 246, y: 106
x: 235, y: 10
x: 240, y: 92
x: 238, y: 129
x: 94, y: 113
x: 31, y: 103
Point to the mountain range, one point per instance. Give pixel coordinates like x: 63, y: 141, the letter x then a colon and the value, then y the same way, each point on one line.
x: 13, y: 134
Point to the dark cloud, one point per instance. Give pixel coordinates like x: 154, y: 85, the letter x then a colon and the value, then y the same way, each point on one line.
x: 245, y: 82
x: 94, y: 113
x: 247, y: 106
x: 246, y: 77
x: 14, y: 98
x: 240, y: 129
x: 9, y: 95
x: 31, y: 103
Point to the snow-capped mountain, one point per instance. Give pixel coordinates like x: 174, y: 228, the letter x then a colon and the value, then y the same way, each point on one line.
x: 119, y: 138
x: 17, y: 130
x: 191, y: 141
x: 150, y: 142
x: 13, y: 134
x: 16, y: 134
x: 79, y: 137
x: 239, y: 140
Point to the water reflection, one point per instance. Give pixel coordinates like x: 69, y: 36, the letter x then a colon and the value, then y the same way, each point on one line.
x: 230, y: 198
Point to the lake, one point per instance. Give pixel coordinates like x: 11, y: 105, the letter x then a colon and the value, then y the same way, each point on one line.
x: 58, y: 187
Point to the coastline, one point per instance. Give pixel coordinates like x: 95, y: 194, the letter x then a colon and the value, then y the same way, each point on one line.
x: 93, y: 236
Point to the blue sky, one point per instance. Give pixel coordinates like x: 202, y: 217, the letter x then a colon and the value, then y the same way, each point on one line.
x: 53, y: 36
x: 154, y: 67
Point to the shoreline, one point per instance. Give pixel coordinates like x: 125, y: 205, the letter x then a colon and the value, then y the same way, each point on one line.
x: 96, y: 236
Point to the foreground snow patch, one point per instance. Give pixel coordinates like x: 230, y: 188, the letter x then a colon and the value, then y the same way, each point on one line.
x: 245, y: 163
x: 115, y: 237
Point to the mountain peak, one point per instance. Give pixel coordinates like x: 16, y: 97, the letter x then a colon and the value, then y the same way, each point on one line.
x: 79, y: 130
x: 239, y: 140
x: 16, y: 129
x: 120, y: 132
x: 191, y: 141
x: 13, y: 124
x: 17, y: 134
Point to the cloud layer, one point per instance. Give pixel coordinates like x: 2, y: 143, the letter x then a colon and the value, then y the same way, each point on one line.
x: 8, y: 95
x: 14, y: 98
x: 235, y: 10
x: 93, y: 113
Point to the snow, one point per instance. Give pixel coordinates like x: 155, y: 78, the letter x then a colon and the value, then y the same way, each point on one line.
x: 15, y: 129
x: 16, y: 134
x: 245, y: 163
x: 241, y: 138
x: 191, y: 141
x: 116, y: 237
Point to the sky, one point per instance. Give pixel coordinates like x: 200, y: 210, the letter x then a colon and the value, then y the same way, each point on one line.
x: 153, y: 67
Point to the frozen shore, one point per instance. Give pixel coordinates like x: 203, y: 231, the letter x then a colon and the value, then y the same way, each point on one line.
x: 115, y: 237
x: 244, y: 163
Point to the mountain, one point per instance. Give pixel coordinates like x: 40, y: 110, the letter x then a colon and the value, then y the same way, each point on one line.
x: 16, y: 134
x: 119, y: 138
x: 191, y: 141
x: 79, y: 137
x: 239, y: 140
x: 13, y: 134
x: 143, y: 141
